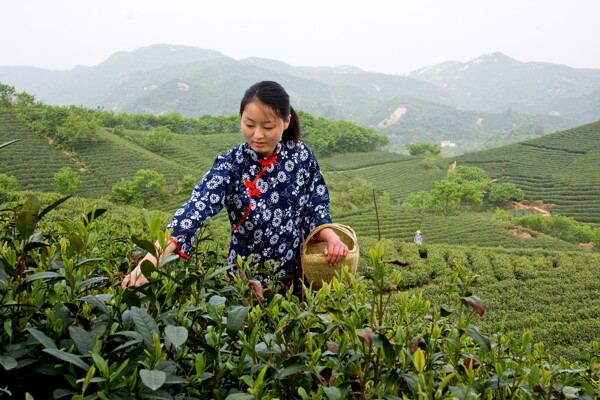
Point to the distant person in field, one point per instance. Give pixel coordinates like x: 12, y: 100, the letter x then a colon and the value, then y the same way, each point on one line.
x: 418, y: 239
x: 271, y: 187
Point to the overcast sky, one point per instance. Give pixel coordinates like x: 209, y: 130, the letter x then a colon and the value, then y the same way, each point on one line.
x: 390, y: 36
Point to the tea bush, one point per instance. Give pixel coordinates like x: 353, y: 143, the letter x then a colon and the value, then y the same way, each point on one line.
x: 195, y: 332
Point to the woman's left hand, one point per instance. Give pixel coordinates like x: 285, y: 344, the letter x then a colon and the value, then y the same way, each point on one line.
x: 336, y: 250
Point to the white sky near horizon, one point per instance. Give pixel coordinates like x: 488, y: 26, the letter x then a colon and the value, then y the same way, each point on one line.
x: 389, y: 36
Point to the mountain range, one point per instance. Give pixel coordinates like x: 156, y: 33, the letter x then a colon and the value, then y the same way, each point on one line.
x: 489, y: 101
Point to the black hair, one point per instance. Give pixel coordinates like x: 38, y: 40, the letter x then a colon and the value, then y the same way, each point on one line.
x: 274, y: 96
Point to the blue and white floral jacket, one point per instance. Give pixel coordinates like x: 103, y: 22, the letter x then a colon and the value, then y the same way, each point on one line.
x: 272, y: 203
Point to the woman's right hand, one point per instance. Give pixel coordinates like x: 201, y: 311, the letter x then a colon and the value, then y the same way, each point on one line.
x: 134, y: 278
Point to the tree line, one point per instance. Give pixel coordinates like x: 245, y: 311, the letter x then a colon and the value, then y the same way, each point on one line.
x: 70, y: 127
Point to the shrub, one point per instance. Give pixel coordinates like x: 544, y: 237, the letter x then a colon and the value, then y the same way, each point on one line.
x: 8, y: 182
x: 145, y: 186
x: 66, y: 181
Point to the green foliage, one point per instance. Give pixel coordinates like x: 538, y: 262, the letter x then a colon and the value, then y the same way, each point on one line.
x: 432, y: 161
x: 422, y: 149
x: 157, y: 139
x: 71, y: 131
x: 53, y: 118
x: 7, y: 95
x: 145, y: 186
x: 66, y: 181
x: 8, y: 182
x: 187, y: 184
x: 351, y: 195
x: 463, y: 187
x: 192, y: 332
x: 329, y: 137
x: 564, y: 228
x: 504, y: 192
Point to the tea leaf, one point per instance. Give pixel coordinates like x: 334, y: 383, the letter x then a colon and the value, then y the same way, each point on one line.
x: 92, y: 215
x: 217, y: 300
x: 35, y: 245
x: 419, y: 360
x: 44, y: 275
x: 153, y: 379
x: 478, y: 337
x: 87, y: 260
x: 292, y: 369
x: 217, y: 272
x: 42, y: 338
x: 7, y: 362
x: 53, y: 206
x: 412, y: 382
x: 332, y: 392
x: 475, y: 303
x: 177, y: 334
x: 26, y: 223
x: 9, y: 142
x: 236, y: 317
x: 145, y: 244
x: 144, y: 323
x: 83, y: 339
x: 239, y: 396
x: 91, y: 280
x: 95, y: 302
x: 68, y: 357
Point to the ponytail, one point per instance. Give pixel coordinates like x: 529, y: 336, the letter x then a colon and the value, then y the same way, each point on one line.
x: 293, y: 130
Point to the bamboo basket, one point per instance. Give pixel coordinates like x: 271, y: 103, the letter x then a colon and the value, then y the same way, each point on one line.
x: 315, y: 269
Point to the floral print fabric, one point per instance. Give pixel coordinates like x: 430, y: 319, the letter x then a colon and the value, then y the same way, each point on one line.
x: 291, y: 200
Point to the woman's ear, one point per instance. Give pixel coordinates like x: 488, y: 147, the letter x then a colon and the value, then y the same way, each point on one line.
x: 286, y: 122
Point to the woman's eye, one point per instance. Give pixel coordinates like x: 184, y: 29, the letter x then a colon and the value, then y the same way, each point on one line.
x: 249, y: 126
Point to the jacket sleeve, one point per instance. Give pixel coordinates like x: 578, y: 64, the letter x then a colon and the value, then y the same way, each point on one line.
x: 207, y: 200
x: 317, y: 208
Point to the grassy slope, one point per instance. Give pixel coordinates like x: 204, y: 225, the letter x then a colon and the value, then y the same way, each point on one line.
x: 31, y: 160
x: 562, y: 169
x: 548, y: 161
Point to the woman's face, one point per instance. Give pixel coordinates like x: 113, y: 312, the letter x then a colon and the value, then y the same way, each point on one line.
x: 262, y: 128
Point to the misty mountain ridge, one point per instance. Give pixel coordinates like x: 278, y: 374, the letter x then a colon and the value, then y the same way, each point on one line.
x: 514, y: 84
x: 448, y: 101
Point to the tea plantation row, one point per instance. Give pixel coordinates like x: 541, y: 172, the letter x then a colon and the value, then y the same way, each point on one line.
x: 561, y: 169
x: 194, y: 333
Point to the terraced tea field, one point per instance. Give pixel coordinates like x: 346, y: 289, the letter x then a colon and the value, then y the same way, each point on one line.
x: 31, y: 159
x: 399, y: 225
x: 562, y: 169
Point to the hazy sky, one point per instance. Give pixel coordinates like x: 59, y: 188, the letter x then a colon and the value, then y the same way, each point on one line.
x: 390, y: 36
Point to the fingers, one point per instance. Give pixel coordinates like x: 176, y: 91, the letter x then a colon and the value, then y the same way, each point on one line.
x: 335, y: 252
x: 134, y: 278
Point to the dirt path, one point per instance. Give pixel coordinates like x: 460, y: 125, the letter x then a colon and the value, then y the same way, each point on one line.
x: 541, y: 208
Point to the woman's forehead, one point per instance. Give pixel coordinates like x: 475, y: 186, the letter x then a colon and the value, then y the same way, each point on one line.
x: 258, y: 111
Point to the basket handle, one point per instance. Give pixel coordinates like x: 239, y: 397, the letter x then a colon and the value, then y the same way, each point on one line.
x: 339, y: 227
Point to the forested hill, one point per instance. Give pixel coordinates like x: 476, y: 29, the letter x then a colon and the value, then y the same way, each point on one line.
x: 561, y: 169
x: 489, y: 101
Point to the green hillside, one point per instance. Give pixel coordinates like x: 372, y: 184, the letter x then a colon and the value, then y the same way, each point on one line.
x: 561, y: 169
x: 393, y: 173
x: 475, y: 229
x: 31, y: 160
